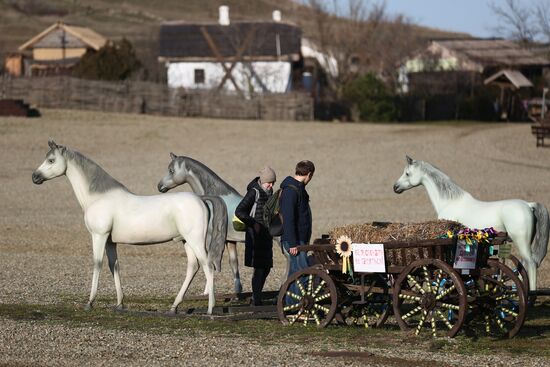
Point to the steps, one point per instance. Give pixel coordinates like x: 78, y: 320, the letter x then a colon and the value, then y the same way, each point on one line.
x: 17, y: 107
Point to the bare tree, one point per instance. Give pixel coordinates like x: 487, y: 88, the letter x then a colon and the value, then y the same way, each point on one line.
x: 542, y: 16
x: 523, y: 23
x: 361, y: 37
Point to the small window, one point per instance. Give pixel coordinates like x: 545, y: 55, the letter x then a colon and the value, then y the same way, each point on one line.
x: 199, y: 76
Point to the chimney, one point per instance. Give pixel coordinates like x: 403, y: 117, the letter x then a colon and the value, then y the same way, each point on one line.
x: 224, y: 15
x: 276, y: 15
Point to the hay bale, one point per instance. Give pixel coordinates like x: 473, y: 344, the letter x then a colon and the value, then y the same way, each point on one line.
x: 377, y: 232
x: 386, y: 232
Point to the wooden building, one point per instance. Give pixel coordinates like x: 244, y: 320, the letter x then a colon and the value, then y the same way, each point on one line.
x: 57, y: 49
x: 13, y: 64
x: 484, y: 57
x: 505, y: 71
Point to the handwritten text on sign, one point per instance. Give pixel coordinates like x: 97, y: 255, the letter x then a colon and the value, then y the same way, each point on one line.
x: 368, y: 257
x: 466, y: 255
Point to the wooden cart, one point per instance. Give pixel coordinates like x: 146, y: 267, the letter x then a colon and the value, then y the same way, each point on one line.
x: 420, y: 286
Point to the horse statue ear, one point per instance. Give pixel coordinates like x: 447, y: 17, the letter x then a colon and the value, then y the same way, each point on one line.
x: 52, y: 144
x: 173, y: 156
x: 410, y: 161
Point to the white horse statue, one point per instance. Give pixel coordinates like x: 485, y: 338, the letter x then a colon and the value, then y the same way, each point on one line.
x: 204, y: 181
x: 527, y: 224
x: 113, y: 214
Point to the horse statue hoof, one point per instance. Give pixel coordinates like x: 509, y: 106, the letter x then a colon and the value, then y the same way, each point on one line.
x: 120, y: 308
x: 88, y: 307
x: 172, y: 312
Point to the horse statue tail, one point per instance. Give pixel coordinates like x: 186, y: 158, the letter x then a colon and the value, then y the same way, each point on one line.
x: 217, y: 229
x: 539, y: 245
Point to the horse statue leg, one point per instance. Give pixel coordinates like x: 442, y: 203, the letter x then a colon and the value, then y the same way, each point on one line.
x: 209, y: 274
x: 530, y: 266
x: 114, y: 267
x: 234, y: 264
x: 98, y: 248
x: 521, y: 237
x: 198, y: 254
x: 192, y: 267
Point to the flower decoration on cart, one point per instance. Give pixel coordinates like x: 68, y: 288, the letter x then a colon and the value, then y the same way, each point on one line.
x: 343, y: 248
x: 473, y: 236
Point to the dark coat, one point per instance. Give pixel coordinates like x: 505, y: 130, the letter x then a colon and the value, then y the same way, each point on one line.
x: 294, y: 207
x: 258, y: 244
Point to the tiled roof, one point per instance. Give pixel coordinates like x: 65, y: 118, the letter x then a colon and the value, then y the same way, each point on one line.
x: 270, y: 40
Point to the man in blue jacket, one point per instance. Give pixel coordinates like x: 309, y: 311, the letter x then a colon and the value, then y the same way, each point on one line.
x: 296, y: 215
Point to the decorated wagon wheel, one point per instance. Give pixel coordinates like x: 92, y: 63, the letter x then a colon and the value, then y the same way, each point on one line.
x: 521, y: 273
x: 501, y: 300
x: 430, y: 294
x: 374, y: 310
x: 307, y: 296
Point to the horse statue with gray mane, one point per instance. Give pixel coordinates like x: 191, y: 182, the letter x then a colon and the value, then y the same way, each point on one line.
x: 113, y: 215
x: 204, y: 181
x: 527, y: 224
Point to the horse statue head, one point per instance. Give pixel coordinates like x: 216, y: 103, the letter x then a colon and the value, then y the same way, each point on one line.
x: 176, y: 175
x: 411, y: 177
x: 203, y: 180
x: 54, y: 165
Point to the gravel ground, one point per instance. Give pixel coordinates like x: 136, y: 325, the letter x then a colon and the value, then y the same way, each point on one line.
x: 29, y: 343
x: 45, y: 251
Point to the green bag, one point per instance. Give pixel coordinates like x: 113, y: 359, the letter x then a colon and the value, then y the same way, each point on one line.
x: 238, y: 225
x: 272, y: 216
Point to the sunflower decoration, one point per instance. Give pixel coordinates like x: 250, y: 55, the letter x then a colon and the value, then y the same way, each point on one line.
x: 343, y: 248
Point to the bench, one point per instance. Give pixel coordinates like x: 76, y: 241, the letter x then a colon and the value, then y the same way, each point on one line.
x: 541, y: 132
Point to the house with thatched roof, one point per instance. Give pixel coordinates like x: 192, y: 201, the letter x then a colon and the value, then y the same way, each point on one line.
x: 242, y: 57
x: 484, y: 57
x: 58, y: 48
x: 511, y: 71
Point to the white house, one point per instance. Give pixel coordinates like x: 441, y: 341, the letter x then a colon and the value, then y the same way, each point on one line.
x: 241, y: 57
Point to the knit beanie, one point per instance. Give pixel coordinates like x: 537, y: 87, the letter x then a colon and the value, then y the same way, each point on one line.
x: 267, y: 174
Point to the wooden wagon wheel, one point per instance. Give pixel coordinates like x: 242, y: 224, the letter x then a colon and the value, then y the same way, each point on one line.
x: 307, y: 296
x: 375, y: 308
x: 430, y: 293
x: 501, y: 300
x: 521, y: 272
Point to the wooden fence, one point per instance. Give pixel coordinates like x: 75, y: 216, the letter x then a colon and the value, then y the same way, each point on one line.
x: 153, y: 98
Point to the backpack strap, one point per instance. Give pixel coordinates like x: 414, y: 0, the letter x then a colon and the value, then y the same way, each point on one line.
x: 253, y: 210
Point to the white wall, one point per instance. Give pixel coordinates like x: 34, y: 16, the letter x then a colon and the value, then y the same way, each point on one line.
x: 275, y: 76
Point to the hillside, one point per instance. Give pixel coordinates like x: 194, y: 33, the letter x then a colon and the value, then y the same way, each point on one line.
x: 138, y: 20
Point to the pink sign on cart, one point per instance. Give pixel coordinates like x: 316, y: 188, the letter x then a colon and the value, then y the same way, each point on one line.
x: 368, y: 258
x: 466, y: 256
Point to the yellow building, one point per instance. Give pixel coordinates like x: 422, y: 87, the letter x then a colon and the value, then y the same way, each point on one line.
x: 58, y: 48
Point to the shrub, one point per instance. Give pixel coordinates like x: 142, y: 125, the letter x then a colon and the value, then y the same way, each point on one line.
x: 370, y: 97
x: 114, y: 61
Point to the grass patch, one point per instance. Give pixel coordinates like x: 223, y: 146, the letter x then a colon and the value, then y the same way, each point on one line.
x: 534, y: 340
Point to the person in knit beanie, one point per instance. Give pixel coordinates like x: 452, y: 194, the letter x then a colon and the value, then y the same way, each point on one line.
x: 258, y: 252
x: 267, y: 175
